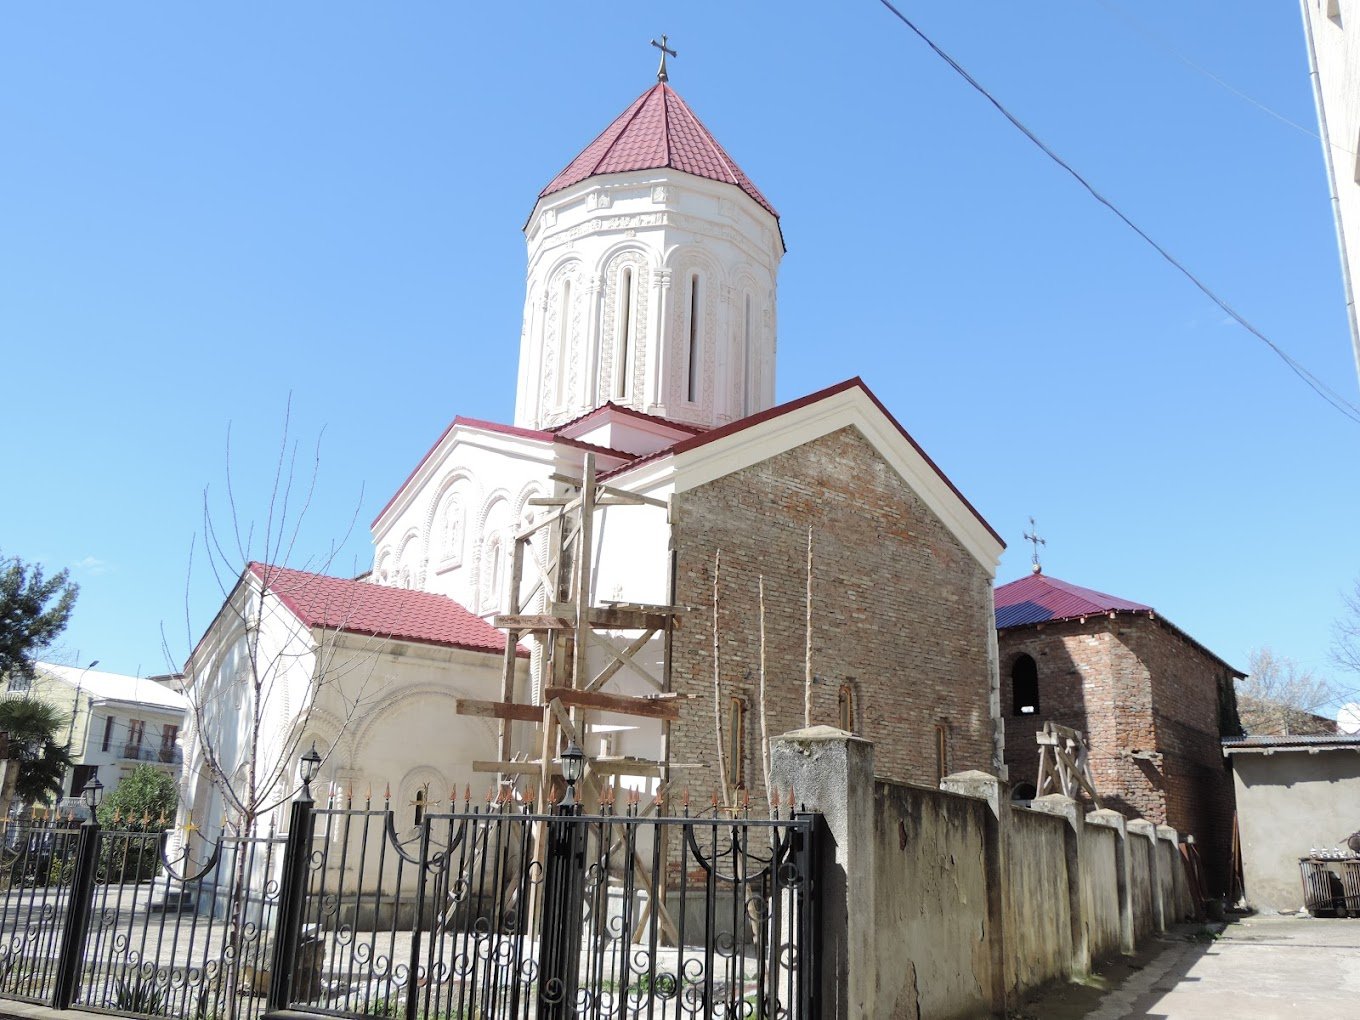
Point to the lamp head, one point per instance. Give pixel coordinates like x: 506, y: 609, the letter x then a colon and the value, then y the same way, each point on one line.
x: 573, y: 763
x: 310, y: 765
x: 93, y: 792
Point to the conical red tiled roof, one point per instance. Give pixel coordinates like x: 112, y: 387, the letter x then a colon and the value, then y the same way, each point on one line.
x: 657, y: 130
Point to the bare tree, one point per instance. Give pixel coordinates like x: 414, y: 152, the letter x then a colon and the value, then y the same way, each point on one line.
x: 260, y: 677
x: 1346, y: 633
x: 1281, y: 697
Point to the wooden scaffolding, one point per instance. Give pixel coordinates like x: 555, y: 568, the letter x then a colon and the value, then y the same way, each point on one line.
x: 554, y: 603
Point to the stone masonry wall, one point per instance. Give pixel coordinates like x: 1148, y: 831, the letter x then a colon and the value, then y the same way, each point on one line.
x: 902, y: 612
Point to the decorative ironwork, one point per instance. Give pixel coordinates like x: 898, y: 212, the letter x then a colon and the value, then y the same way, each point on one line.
x: 498, y: 912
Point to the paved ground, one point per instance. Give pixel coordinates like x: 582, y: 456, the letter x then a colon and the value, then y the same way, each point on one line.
x: 1259, y: 968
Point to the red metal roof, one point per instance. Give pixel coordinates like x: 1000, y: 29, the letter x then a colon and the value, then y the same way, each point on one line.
x: 360, y: 607
x: 1040, y: 598
x: 657, y: 130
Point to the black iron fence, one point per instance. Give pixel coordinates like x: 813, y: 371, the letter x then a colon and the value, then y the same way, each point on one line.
x: 488, y: 912
x: 500, y: 912
x: 116, y: 921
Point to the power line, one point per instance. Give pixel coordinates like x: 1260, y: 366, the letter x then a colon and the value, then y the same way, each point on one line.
x: 1147, y: 33
x: 1349, y: 410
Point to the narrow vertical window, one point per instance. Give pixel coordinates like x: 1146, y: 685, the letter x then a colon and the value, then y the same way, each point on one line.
x: 748, y: 363
x: 1024, y: 686
x: 419, y: 803
x: 941, y: 751
x: 692, y: 392
x: 625, y: 333
x: 736, y: 744
x: 563, y: 341
x: 846, y: 706
x: 108, y: 734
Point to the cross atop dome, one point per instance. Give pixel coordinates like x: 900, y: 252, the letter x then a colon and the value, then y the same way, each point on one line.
x: 661, y: 74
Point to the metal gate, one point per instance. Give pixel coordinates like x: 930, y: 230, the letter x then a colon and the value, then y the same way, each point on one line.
x: 497, y: 912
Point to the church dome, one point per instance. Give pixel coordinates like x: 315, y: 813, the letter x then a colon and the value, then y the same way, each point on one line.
x: 651, y: 278
x: 658, y: 130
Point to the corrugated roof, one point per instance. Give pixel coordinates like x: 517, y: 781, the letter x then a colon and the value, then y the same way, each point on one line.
x: 1039, y: 598
x: 360, y: 607
x: 117, y: 686
x: 1339, y: 741
x: 657, y: 130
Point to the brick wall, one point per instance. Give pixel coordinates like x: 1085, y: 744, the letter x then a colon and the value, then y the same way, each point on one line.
x: 1131, y: 684
x: 902, y: 612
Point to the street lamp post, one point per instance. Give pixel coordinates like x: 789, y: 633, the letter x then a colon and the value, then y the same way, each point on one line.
x: 71, y: 727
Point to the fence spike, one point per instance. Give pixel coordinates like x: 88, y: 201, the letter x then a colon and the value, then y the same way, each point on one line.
x: 660, y: 799
x: 715, y: 800
x: 790, y: 797
x: 490, y: 793
x: 746, y: 799
x: 387, y: 794
x: 467, y: 795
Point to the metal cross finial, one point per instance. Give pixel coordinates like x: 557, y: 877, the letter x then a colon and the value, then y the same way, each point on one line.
x: 661, y: 71
x: 1032, y: 536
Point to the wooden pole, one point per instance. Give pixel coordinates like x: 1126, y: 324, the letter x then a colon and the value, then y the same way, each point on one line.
x: 807, y: 650
x: 764, y: 725
x: 717, y: 682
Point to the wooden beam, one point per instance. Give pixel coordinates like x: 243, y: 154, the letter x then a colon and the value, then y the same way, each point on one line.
x: 646, y: 707
x: 529, y: 621
x: 509, y: 710
x: 513, y: 768
x: 627, y: 619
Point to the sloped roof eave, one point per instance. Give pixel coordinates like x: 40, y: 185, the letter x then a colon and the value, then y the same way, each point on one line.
x: 985, y: 544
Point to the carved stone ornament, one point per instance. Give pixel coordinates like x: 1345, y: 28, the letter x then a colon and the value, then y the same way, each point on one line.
x: 660, y: 194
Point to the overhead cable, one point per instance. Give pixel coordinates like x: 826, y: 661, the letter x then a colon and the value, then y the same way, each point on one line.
x: 1349, y: 410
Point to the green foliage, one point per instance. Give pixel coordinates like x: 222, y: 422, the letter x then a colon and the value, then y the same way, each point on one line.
x: 33, y: 610
x: 138, y: 995
x: 139, y: 811
x: 147, y: 792
x: 33, y: 727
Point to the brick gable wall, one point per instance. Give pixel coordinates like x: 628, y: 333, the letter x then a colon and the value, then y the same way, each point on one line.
x: 902, y: 612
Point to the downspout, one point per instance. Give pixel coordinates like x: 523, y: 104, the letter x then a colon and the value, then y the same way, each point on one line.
x: 1331, y: 184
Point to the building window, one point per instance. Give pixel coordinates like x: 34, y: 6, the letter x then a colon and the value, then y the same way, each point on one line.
x: 136, y: 729
x: 422, y: 798
x: 1023, y: 793
x: 624, y: 340
x: 563, y: 342
x: 845, y: 703
x: 692, y: 388
x: 108, y: 733
x: 941, y: 751
x: 169, y: 734
x: 736, y: 744
x: 80, y: 778
x: 1024, y: 686
x: 748, y: 398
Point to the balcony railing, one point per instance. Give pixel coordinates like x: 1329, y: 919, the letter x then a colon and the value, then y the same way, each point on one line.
x: 165, y: 755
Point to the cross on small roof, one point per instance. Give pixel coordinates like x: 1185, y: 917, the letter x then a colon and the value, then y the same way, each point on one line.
x: 1032, y: 536
x: 661, y: 71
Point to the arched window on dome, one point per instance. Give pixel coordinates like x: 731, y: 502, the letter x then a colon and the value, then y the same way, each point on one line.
x: 1024, y: 686
x: 695, y: 309
x: 626, y: 330
x: 564, y: 341
x: 748, y: 359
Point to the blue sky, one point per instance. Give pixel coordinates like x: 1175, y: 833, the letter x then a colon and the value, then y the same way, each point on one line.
x: 207, y: 210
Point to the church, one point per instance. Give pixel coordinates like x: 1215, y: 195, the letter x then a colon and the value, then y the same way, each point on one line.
x: 721, y: 545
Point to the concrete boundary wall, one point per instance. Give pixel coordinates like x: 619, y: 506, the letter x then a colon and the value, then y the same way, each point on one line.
x: 954, y: 903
